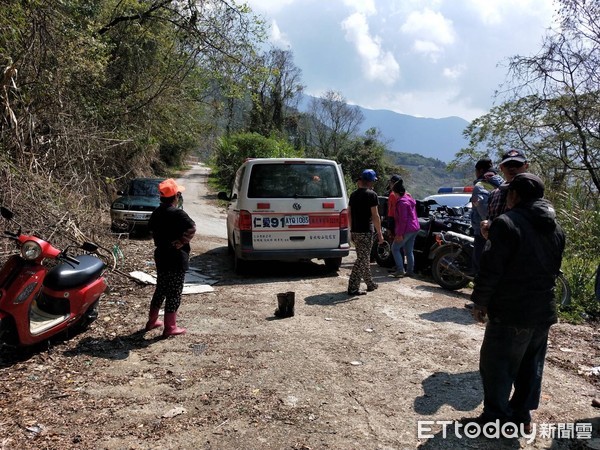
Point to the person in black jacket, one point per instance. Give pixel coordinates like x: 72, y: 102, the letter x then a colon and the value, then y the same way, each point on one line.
x: 172, y: 230
x: 515, y: 290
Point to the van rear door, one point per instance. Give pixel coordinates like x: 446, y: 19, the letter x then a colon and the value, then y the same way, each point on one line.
x: 296, y: 205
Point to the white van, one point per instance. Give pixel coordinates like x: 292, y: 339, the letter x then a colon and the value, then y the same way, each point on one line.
x: 288, y: 209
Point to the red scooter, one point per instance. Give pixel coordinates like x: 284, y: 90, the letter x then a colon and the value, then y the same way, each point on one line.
x: 38, y: 302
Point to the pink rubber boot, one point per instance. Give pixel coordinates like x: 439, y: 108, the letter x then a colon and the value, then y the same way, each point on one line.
x: 171, y: 328
x: 153, y: 321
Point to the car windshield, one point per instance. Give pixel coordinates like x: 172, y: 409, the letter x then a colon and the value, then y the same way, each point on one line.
x: 451, y: 200
x: 143, y: 188
x: 294, y: 181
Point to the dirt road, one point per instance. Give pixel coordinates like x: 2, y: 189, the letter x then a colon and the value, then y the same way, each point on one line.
x: 344, y: 373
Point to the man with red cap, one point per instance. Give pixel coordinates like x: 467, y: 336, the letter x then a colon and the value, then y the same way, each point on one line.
x: 172, y: 230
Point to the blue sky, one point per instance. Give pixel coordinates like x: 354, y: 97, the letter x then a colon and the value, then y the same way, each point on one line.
x: 425, y: 58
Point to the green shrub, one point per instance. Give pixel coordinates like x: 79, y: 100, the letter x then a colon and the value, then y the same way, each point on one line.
x: 581, y: 276
x: 233, y: 150
x: 580, y: 220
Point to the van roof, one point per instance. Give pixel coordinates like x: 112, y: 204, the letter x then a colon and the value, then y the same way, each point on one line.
x: 252, y: 161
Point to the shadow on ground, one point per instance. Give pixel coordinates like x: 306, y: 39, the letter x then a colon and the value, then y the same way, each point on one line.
x: 461, y: 316
x: 219, y: 264
x: 117, y: 348
x: 441, y: 388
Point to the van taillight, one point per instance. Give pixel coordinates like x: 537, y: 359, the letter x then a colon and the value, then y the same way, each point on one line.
x: 245, y: 221
x: 344, y: 219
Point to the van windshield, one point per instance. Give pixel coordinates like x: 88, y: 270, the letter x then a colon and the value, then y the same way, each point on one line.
x: 294, y: 181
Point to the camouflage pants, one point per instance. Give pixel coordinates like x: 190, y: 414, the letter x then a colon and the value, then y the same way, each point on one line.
x: 361, y: 269
x: 169, y: 286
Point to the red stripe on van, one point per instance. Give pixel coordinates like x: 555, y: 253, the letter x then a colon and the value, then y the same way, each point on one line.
x: 318, y: 221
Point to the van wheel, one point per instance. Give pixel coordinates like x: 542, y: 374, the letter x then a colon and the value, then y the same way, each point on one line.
x: 229, y: 248
x: 333, y: 264
x: 239, y: 265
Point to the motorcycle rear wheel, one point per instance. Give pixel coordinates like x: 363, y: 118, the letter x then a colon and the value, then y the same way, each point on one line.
x: 447, y: 269
x: 562, y: 291
x: 384, y: 256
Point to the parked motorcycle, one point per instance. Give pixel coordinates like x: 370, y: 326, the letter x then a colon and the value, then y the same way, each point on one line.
x: 38, y: 302
x: 451, y: 260
x: 452, y: 267
x: 432, y: 221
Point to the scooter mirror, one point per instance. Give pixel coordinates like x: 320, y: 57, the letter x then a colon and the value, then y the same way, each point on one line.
x: 6, y: 213
x: 89, y: 247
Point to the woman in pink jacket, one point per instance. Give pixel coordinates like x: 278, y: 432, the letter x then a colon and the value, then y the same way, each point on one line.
x: 406, y: 229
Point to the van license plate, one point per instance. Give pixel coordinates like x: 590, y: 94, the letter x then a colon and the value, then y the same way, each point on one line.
x: 297, y: 220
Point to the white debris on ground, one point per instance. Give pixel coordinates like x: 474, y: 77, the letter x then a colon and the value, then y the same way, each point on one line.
x: 195, y: 282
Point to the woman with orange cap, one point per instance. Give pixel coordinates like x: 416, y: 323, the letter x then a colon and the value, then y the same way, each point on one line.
x: 172, y: 230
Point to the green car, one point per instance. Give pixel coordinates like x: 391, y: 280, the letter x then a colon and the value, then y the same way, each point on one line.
x: 133, y: 208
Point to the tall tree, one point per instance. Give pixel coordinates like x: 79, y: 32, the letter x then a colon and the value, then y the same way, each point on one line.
x: 335, y: 124
x: 275, y: 92
x: 551, y: 103
x: 104, y: 88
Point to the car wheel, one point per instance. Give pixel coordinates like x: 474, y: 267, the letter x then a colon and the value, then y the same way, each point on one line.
x: 121, y: 227
x: 333, y: 264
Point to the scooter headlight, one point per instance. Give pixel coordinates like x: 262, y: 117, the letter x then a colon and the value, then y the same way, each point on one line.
x: 31, y: 250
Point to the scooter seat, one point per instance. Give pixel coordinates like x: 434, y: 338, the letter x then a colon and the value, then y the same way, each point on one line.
x: 67, y: 275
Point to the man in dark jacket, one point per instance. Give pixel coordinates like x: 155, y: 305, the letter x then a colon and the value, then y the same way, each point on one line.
x: 515, y: 290
x: 172, y: 230
x: 486, y: 180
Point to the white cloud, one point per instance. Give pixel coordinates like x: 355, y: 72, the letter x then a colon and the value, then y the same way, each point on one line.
x: 381, y: 55
x: 270, y: 6
x: 378, y: 65
x: 278, y: 38
x: 455, y: 72
x: 428, y: 48
x: 362, y: 6
x: 428, y: 25
x: 419, y: 103
x: 495, y: 12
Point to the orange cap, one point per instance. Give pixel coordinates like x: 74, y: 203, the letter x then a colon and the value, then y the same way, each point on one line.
x: 169, y: 188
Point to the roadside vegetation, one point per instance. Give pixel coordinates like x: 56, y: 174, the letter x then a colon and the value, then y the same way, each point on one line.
x: 95, y: 93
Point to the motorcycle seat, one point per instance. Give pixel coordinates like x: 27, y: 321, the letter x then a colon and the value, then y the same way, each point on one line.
x: 67, y: 275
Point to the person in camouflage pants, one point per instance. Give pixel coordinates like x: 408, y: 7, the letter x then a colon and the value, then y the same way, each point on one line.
x: 364, y: 216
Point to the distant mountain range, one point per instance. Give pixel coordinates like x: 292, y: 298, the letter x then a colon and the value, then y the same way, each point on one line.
x: 433, y: 138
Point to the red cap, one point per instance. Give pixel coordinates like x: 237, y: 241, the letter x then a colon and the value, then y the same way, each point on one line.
x: 169, y: 188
